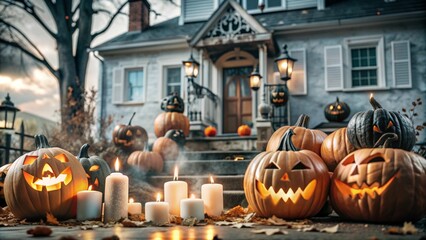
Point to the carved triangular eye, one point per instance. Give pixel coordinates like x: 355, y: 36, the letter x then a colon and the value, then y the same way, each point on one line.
x: 129, y: 133
x: 349, y: 160
x: 29, y: 159
x: 376, y: 129
x: 62, y: 158
x: 272, y: 165
x: 390, y: 124
x: 376, y: 159
x: 300, y: 166
x: 94, y: 168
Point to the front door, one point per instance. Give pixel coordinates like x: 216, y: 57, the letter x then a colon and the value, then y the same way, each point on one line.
x: 237, y: 103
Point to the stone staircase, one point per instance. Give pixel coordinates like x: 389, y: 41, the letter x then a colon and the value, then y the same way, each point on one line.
x: 227, y: 166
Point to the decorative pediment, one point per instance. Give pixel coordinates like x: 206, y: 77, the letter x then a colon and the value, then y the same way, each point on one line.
x: 230, y: 24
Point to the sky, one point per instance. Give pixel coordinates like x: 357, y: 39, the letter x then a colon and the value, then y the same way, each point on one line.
x: 37, y: 91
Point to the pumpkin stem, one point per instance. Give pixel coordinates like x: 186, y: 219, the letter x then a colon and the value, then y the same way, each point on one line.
x: 130, y: 122
x: 41, y: 141
x: 337, y: 99
x: 84, y: 150
x: 374, y: 103
x: 285, y: 143
x: 386, y: 140
x: 302, y: 121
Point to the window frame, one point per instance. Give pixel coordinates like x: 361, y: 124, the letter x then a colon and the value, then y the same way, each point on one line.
x: 125, y: 81
x: 267, y: 8
x: 165, y: 78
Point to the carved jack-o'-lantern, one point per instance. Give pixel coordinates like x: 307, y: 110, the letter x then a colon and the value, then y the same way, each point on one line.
x: 365, y: 128
x: 45, y: 180
x: 288, y: 183
x: 173, y: 103
x: 337, y: 111
x: 96, y: 168
x: 380, y: 184
x: 279, y: 96
x: 176, y: 135
x: 128, y: 137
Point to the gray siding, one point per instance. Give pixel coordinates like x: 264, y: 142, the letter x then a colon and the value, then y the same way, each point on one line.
x: 195, y: 10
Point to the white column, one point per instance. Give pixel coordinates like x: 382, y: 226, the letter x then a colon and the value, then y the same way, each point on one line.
x: 263, y: 70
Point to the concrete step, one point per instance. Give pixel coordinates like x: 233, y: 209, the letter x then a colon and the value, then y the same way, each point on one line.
x: 213, y: 155
x: 206, y: 167
x: 223, y: 143
x: 233, y: 198
x: 194, y: 182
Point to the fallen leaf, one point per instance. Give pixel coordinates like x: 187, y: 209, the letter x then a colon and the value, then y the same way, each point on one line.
x: 269, y: 231
x: 189, y: 222
x: 332, y: 229
x: 277, y: 221
x: 236, y: 211
x: 243, y: 225
x: 409, y: 228
x: 137, y: 217
x: 129, y: 223
x: 308, y: 229
x: 40, y: 231
x: 224, y: 223
x: 249, y: 217
x: 51, y: 220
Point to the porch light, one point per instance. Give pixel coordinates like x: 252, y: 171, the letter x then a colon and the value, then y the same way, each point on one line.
x: 7, y: 114
x: 255, y: 80
x: 191, y: 67
x: 285, y: 64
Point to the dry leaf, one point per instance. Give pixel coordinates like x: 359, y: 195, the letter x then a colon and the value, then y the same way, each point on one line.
x: 40, y: 231
x: 270, y: 231
x: 243, y: 225
x: 237, y: 211
x: 249, y: 217
x: 189, y: 221
x: 175, y: 219
x: 128, y: 223
x: 51, y: 220
x: 137, y: 217
x: 332, y: 229
x: 224, y: 223
x: 309, y: 229
x: 409, y: 228
x: 277, y: 221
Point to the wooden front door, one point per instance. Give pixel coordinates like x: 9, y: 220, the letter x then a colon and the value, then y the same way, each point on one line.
x: 237, y: 100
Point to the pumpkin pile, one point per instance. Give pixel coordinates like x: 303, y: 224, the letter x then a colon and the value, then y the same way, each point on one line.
x: 172, y: 118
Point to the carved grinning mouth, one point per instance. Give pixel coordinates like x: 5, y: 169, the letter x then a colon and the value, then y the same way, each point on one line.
x: 290, y: 194
x: 360, y: 191
x: 48, y: 179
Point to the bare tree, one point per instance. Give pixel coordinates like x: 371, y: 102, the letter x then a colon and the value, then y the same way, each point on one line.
x: 69, y: 23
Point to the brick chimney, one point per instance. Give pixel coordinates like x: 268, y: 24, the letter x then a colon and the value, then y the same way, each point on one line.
x: 138, y: 15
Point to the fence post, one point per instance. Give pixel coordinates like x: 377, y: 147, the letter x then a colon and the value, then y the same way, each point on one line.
x: 7, y: 150
x: 22, y: 137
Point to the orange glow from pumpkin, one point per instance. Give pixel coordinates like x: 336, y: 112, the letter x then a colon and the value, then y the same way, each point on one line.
x: 117, y: 165
x: 158, y: 197
x: 176, y: 173
x: 364, y: 189
x: 290, y: 194
x: 211, y: 179
x: 48, y: 179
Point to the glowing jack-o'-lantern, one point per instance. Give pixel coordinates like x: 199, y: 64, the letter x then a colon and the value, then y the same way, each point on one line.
x: 45, y: 180
x: 96, y: 168
x: 380, y: 184
x: 288, y: 183
x: 279, y: 96
x: 128, y: 137
x: 173, y: 103
x: 365, y: 128
x: 337, y: 111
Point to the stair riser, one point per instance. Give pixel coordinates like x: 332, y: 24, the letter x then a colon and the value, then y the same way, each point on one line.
x: 243, y: 145
x: 216, y: 155
x: 206, y: 167
x: 194, y: 183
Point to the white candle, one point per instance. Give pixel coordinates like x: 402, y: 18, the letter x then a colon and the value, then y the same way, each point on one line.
x: 174, y: 192
x: 157, y: 212
x: 192, y: 207
x: 116, y: 195
x: 212, y: 195
x: 134, y: 207
x: 89, y: 205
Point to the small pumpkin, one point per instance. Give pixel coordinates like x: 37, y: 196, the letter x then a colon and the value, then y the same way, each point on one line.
x: 337, y: 111
x: 3, y: 173
x: 288, y: 183
x: 146, y: 161
x: 304, y: 138
x: 45, y: 180
x: 176, y: 135
x: 244, y: 130
x: 210, y: 131
x: 380, y: 184
x: 279, y: 96
x: 128, y: 137
x: 166, y: 147
x: 335, y: 147
x: 170, y: 120
x: 365, y: 128
x: 96, y: 168
x: 173, y: 103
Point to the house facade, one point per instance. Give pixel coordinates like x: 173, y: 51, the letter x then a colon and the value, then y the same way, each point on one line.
x: 344, y: 48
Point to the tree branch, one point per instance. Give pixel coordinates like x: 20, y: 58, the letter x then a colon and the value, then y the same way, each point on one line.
x: 110, y: 21
x: 73, y: 12
x: 51, y: 7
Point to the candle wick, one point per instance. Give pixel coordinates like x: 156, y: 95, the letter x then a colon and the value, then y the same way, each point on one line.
x: 175, y: 178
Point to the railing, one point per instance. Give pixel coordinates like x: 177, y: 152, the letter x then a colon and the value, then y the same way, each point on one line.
x: 202, y: 104
x: 7, y: 147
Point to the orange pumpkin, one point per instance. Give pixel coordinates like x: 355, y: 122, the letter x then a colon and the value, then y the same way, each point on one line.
x: 304, y: 138
x: 380, y: 184
x: 210, y: 131
x: 244, y: 130
x: 146, y: 161
x: 288, y: 183
x: 42, y: 181
x: 335, y: 147
x: 170, y: 120
x: 166, y: 147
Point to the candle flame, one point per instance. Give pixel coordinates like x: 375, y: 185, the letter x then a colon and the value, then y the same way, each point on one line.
x: 371, y: 95
x: 192, y: 196
x: 211, y: 179
x: 131, y: 200
x: 158, y: 197
x: 90, y: 188
x: 117, y: 165
x: 175, y: 176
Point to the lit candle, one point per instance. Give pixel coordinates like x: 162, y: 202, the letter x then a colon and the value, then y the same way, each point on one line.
x: 192, y: 207
x: 134, y: 207
x: 89, y: 205
x: 174, y: 191
x: 116, y: 195
x: 212, y: 195
x: 157, y: 212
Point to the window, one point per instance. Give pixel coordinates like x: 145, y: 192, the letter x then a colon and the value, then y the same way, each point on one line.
x: 273, y: 3
x: 364, y: 66
x: 134, y: 85
x: 173, y: 80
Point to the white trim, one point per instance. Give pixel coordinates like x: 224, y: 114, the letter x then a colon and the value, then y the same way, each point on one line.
x: 408, y: 61
x: 144, y: 68
x: 175, y: 43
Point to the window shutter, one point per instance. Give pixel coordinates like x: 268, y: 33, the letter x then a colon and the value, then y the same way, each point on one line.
x: 401, y: 63
x: 333, y: 68
x: 117, y: 85
x: 297, y: 84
